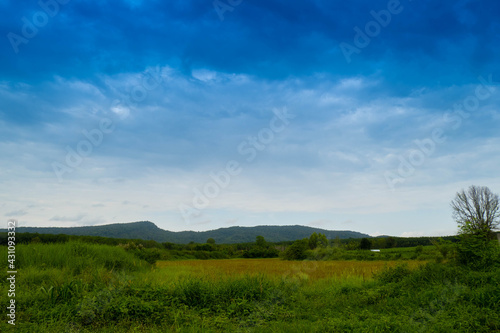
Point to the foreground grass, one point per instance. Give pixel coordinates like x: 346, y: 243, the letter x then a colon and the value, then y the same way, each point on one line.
x: 96, y: 288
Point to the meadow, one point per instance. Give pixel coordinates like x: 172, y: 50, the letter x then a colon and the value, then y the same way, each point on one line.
x: 275, y: 269
x: 81, y: 287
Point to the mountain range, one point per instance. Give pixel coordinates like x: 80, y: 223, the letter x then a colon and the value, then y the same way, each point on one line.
x: 149, y: 231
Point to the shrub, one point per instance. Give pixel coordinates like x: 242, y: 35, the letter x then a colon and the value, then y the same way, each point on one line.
x: 394, y: 274
x: 478, y: 251
x: 297, y: 251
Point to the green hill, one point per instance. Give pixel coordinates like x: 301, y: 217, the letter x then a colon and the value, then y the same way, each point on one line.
x: 149, y: 231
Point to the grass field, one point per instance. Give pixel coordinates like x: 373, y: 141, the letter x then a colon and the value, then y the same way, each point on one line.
x: 276, y: 268
x: 79, y: 287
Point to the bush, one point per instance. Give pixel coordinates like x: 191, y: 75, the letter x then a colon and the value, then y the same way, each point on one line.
x: 297, y: 251
x: 478, y: 251
x: 394, y: 274
x: 259, y: 252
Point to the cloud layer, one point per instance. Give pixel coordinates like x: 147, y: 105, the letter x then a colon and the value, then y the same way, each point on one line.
x: 127, y: 110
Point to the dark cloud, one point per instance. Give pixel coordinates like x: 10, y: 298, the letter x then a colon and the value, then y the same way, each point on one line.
x: 271, y: 39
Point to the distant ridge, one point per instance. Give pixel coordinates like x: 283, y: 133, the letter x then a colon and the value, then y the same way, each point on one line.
x: 149, y: 231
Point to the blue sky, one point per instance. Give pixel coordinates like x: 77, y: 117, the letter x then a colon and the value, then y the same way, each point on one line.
x: 359, y: 115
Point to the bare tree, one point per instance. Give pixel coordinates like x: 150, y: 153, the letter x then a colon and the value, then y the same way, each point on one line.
x: 476, y: 210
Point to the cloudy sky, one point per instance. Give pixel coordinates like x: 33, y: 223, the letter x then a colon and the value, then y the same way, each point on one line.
x: 195, y: 115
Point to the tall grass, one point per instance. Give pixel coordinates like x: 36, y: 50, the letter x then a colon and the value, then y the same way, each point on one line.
x: 276, y: 268
x: 76, y: 257
x: 53, y: 279
x: 78, y: 287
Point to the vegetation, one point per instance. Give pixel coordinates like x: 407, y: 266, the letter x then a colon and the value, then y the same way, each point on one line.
x: 261, y: 249
x: 478, y: 250
x: 151, y: 251
x: 365, y: 244
x: 297, y: 251
x: 149, y: 231
x: 476, y: 211
x: 95, y: 284
x: 82, y: 287
x: 230, y: 250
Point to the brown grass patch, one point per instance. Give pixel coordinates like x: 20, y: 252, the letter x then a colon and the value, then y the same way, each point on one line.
x: 312, y: 270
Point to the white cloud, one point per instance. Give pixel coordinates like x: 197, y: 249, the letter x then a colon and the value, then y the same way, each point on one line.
x: 204, y: 75
x: 16, y: 213
x: 327, y: 165
x: 75, y: 218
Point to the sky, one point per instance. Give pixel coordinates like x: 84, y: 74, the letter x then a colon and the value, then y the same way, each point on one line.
x: 196, y: 115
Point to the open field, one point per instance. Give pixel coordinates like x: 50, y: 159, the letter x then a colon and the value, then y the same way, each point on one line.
x: 80, y: 287
x: 276, y: 268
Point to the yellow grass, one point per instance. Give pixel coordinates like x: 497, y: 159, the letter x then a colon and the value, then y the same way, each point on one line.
x: 274, y: 268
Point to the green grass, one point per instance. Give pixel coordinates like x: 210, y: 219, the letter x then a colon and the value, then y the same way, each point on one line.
x: 76, y: 287
x: 425, y: 253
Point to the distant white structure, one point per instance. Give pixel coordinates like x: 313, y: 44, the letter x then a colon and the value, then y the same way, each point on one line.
x: 379, y: 250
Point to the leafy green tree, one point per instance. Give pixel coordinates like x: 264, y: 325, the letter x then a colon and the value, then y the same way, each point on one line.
x: 322, y: 240
x: 365, y: 244
x: 352, y: 245
x: 445, y: 247
x: 260, y: 241
x: 390, y: 242
x: 261, y: 249
x: 378, y: 243
x: 210, y: 241
x: 297, y: 251
x: 313, y: 241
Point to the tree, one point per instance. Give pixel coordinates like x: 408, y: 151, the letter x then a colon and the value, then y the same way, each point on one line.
x: 477, y: 213
x: 260, y: 241
x: 313, y: 241
x: 352, y: 245
x: 390, y: 242
x: 210, y: 241
x: 476, y: 210
x: 297, y: 251
x: 322, y: 240
x: 365, y: 244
